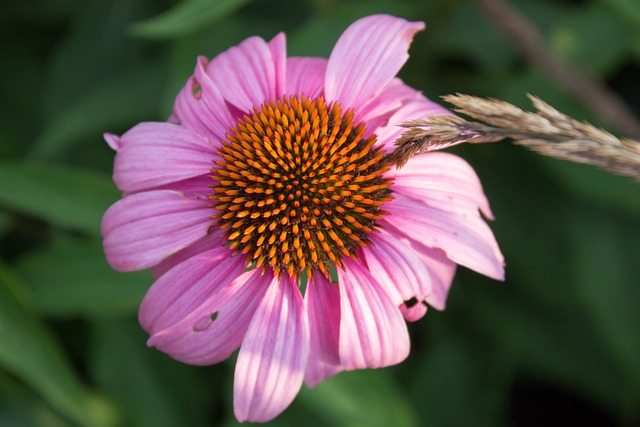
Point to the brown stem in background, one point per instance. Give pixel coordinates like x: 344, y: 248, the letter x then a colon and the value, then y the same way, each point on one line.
x: 594, y: 95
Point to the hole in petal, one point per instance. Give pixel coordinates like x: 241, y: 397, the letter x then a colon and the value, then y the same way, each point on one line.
x: 411, y: 302
x: 196, y: 89
x: 413, y: 310
x: 205, y: 322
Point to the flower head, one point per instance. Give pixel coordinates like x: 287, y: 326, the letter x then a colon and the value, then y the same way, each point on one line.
x: 272, y: 176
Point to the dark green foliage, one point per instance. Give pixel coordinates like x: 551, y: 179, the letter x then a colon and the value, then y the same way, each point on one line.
x: 558, y: 341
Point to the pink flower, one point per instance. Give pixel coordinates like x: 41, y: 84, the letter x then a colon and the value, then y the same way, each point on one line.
x: 271, y: 178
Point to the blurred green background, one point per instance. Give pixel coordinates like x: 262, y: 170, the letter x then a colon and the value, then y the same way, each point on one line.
x: 558, y: 342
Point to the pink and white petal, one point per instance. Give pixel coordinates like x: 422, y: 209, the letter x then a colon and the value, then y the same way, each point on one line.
x: 112, y: 140
x: 273, y: 356
x: 142, y: 229
x: 388, y: 100
x: 278, y: 47
x: 444, y: 181
x: 201, y: 107
x: 441, y: 269
x: 366, y: 57
x: 154, y: 154
x: 245, y: 74
x: 208, y: 241
x: 173, y: 119
x: 373, y: 332
x: 413, y: 310
x: 305, y: 76
x: 322, y: 304
x: 183, y: 289
x: 198, y: 187
x: 466, y: 239
x: 399, y: 270
x: 441, y: 272
x: 416, y: 109
x: 217, y: 327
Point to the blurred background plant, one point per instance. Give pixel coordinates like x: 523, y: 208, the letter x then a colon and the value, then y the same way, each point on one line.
x: 558, y: 342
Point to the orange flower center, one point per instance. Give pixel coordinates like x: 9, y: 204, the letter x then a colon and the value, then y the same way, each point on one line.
x: 298, y: 186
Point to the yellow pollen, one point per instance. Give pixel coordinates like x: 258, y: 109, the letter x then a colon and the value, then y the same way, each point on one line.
x: 299, y: 186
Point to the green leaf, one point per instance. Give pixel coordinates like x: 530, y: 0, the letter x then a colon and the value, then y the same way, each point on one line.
x: 605, y: 266
x: 65, y: 197
x: 93, y: 49
x: 185, y: 18
x: 482, y: 44
x: 594, y: 38
x: 366, y: 398
x: 627, y: 9
x: 22, y: 407
x: 150, y: 388
x: 455, y: 374
x: 125, y: 98
x: 29, y: 352
x: 5, y: 223
x: 531, y: 222
x: 74, y: 279
x: 556, y: 345
x: 595, y: 185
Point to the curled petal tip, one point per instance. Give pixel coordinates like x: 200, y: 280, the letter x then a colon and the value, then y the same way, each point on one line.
x: 112, y: 139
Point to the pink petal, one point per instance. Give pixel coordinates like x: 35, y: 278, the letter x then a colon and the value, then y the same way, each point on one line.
x: 184, y: 288
x: 372, y: 331
x: 388, y: 100
x: 322, y: 302
x: 273, y: 355
x: 399, y: 270
x: 441, y: 270
x: 419, y: 108
x: 142, y: 229
x: 173, y: 119
x: 246, y: 74
x: 208, y: 241
x: 466, y: 239
x: 305, y: 76
x: 278, y: 48
x: 201, y: 107
x: 214, y: 330
x: 366, y: 57
x: 444, y: 181
x: 198, y: 187
x: 153, y: 154
x: 112, y: 140
x: 413, y: 310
